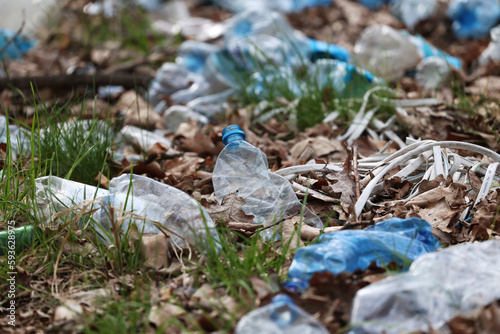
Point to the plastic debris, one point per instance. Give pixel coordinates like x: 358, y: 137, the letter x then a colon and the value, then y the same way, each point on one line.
x: 286, y: 6
x: 15, y: 45
x: 144, y: 138
x: 19, y: 137
x: 473, y: 18
x: 430, y: 154
x: 54, y: 195
x: 374, y: 4
x: 256, y: 22
x: 346, y: 79
x: 169, y: 79
x: 193, y: 55
x: 279, y: 317
x: 492, y: 52
x: 136, y: 200
x: 110, y: 92
x: 177, y: 114
x: 432, y: 72
x: 437, y: 287
x: 155, y: 205
x: 389, y: 53
x: 241, y: 169
x: 23, y: 238
x: 413, y: 11
x: 398, y: 240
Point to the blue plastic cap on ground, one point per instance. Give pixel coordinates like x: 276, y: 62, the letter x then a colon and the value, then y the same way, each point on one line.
x: 232, y: 133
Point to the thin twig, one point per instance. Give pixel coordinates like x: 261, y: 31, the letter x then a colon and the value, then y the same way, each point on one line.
x: 355, y: 169
x: 10, y: 41
x: 68, y: 82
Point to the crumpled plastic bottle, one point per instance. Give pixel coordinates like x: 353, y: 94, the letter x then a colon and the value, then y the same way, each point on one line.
x: 169, y: 78
x: 473, y: 18
x: 160, y: 203
x: 254, y: 22
x: 413, y: 11
x: 286, y: 6
x: 346, y: 79
x: 432, y: 72
x: 437, y: 287
x: 399, y: 240
x: 281, y: 316
x: 389, y: 53
x: 54, y: 194
x: 242, y: 169
x: 492, y: 52
x: 149, y: 200
x: 193, y: 55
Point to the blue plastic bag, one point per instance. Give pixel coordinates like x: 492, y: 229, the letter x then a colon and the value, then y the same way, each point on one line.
x: 18, y: 46
x: 399, y: 240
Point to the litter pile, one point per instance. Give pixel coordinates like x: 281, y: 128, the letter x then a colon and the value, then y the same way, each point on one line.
x: 370, y: 154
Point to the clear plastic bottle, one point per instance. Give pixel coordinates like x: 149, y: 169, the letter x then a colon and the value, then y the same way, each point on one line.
x: 242, y: 169
x: 53, y: 195
x: 413, y: 11
x: 254, y: 22
x: 285, y: 6
x: 169, y: 78
x: 492, y: 52
x: 281, y: 316
x: 153, y: 201
x: 193, y: 55
x: 346, y: 79
x: 432, y: 72
x: 399, y: 240
x: 390, y: 53
x: 473, y: 18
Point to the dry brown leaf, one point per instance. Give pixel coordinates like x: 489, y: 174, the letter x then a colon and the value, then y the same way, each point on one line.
x: 138, y: 112
x: 76, y: 303
x: 182, y: 166
x: 188, y: 130
x: 161, y: 314
x: 154, y: 248
x: 152, y: 169
x: 487, y: 86
x: 397, y: 188
x: 102, y: 179
x: 439, y: 214
x: 200, y: 143
x: 342, y: 187
x: 291, y: 233
x: 321, y: 146
x: 229, y: 211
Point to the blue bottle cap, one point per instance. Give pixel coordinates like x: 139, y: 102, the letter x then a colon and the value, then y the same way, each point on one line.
x: 232, y: 133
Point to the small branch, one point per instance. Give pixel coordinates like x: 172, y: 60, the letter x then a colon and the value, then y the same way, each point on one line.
x: 128, y: 81
x: 10, y: 41
x: 355, y: 169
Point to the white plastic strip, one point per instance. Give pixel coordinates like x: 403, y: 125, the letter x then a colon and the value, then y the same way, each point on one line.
x: 358, y: 208
x: 438, y: 161
x: 487, y: 182
x: 360, y: 128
